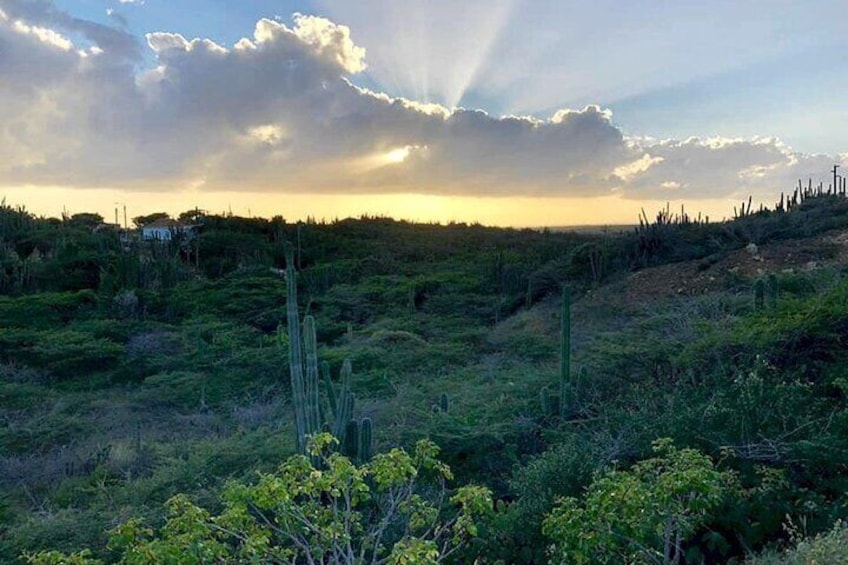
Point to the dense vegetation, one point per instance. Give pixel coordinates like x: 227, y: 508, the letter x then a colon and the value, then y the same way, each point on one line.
x: 701, y: 414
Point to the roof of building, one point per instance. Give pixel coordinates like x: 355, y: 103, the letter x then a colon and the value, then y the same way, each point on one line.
x: 163, y: 223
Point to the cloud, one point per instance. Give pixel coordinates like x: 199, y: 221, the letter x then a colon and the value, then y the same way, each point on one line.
x: 696, y: 167
x: 278, y: 112
x: 43, y: 13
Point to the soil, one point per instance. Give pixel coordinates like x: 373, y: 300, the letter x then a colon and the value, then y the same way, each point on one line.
x: 721, y: 272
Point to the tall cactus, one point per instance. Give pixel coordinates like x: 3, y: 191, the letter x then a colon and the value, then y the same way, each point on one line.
x: 566, y: 392
x: 550, y: 402
x: 296, y: 371
x: 303, y: 369
x: 311, y: 398
x: 358, y: 440
x: 303, y: 363
x: 759, y: 295
x: 365, y: 440
x: 564, y: 403
x: 328, y: 384
x: 771, y: 291
x: 582, y: 383
x: 350, y: 443
x: 344, y: 401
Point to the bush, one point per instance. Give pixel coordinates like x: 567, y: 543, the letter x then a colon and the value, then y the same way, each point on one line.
x: 830, y: 548
x: 46, y: 310
x: 64, y: 353
x: 387, y: 511
x: 645, y: 514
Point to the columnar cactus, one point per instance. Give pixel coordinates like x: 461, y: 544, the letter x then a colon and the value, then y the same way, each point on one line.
x: 365, y: 440
x: 444, y: 403
x: 566, y: 388
x: 303, y: 369
x: 771, y: 291
x: 344, y: 401
x: 581, y: 383
x: 350, y: 444
x: 564, y: 403
x: 311, y: 398
x: 550, y: 402
x: 304, y: 397
x: 759, y: 295
x: 328, y: 384
x: 358, y: 440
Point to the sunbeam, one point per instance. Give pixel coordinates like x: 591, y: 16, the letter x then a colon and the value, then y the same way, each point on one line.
x: 429, y: 52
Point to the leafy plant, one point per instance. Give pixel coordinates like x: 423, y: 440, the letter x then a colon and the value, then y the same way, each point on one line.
x: 643, y: 515
x: 387, y: 512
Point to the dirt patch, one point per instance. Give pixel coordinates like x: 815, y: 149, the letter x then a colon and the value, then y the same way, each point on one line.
x: 720, y: 272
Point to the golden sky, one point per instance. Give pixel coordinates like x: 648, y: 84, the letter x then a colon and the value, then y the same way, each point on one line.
x: 502, y: 211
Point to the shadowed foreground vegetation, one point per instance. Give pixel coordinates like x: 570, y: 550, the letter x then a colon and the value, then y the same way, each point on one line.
x: 693, y: 414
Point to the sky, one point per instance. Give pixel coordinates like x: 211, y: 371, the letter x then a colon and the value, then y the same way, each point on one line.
x: 503, y: 112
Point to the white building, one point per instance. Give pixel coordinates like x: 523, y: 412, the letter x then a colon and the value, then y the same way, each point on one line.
x: 164, y: 229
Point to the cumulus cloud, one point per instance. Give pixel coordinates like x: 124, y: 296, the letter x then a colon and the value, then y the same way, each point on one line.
x: 696, y: 167
x: 277, y: 111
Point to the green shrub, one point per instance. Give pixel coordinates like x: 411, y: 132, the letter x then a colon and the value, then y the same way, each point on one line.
x: 642, y: 515
x: 46, y: 310
x: 258, y: 301
x: 388, y: 510
x: 830, y: 548
x: 564, y: 470
x: 64, y: 353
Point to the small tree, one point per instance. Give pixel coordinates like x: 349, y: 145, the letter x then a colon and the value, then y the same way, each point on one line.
x: 643, y: 515
x: 390, y: 511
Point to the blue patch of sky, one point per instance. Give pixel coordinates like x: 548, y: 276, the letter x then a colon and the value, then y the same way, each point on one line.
x: 794, y: 98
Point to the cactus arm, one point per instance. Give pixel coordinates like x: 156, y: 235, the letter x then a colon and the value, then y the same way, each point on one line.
x: 331, y: 393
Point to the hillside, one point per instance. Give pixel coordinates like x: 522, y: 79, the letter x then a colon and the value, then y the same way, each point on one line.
x: 133, y: 370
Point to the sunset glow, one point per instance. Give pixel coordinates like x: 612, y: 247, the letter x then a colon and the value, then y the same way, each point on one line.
x: 397, y: 155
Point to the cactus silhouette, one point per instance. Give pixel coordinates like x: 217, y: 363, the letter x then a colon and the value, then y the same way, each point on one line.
x: 759, y: 295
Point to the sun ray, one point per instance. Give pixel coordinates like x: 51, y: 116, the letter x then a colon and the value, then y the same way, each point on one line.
x: 442, y: 48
